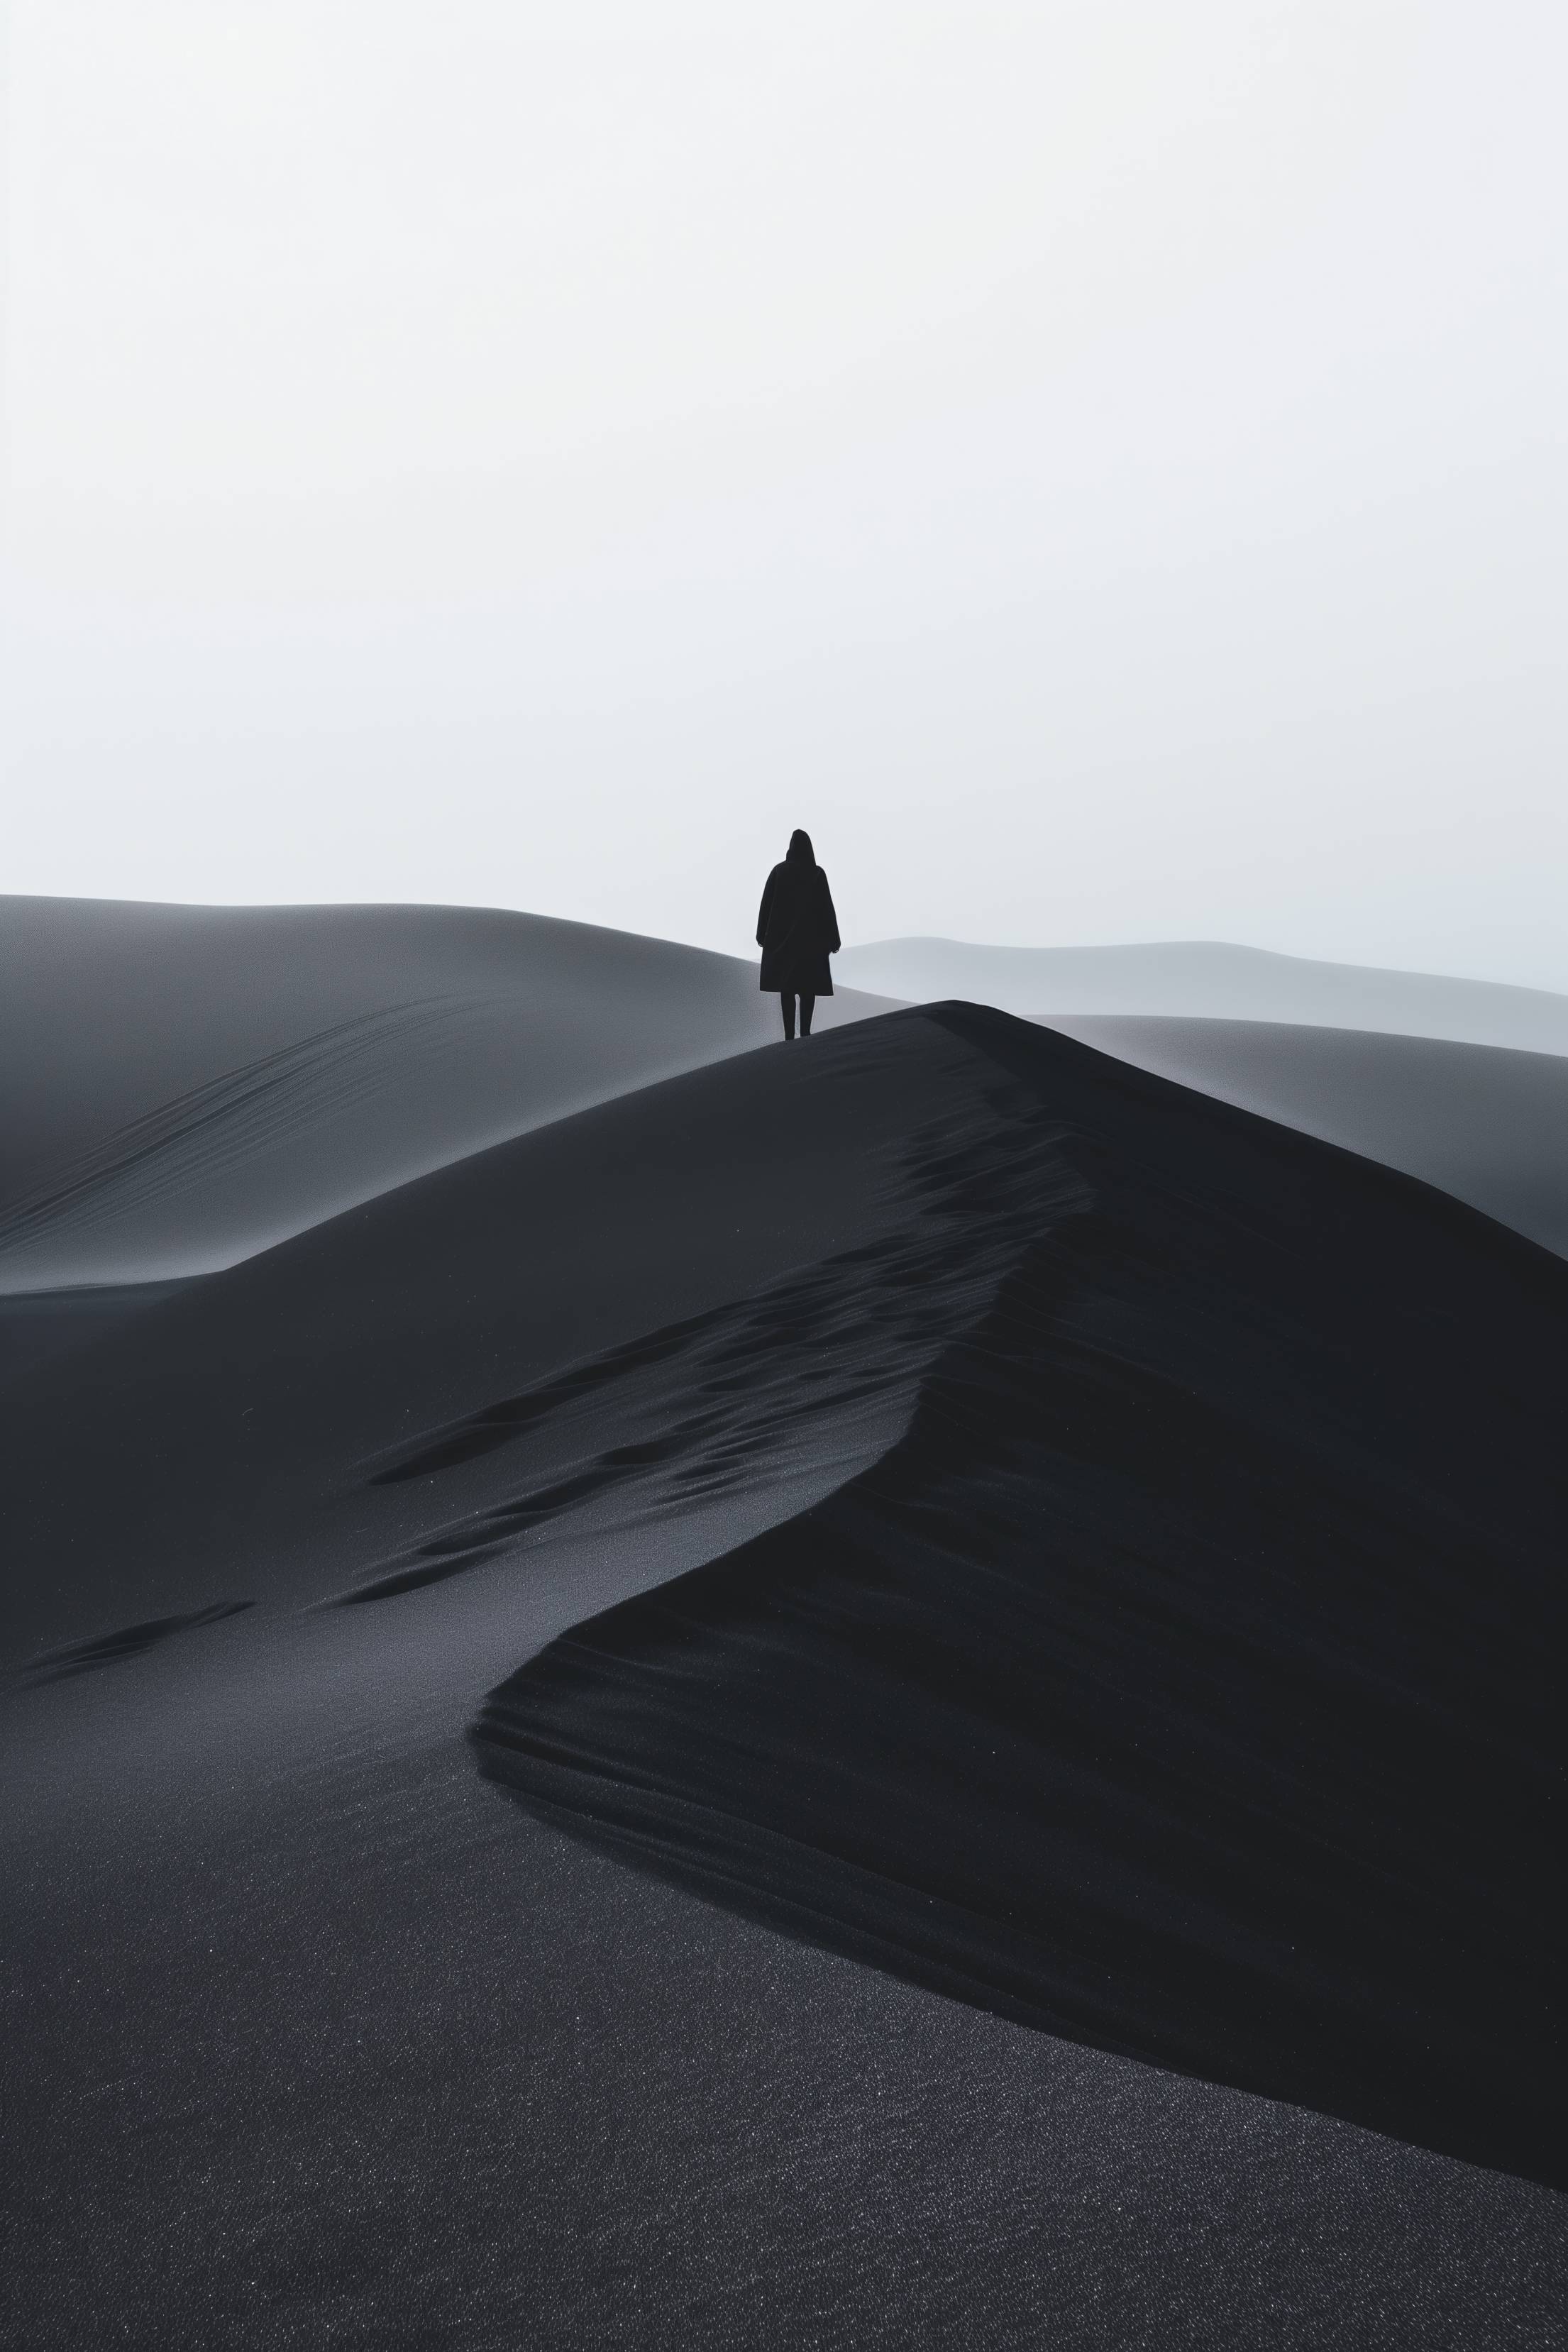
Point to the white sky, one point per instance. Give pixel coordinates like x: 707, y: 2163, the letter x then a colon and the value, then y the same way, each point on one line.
x: 1098, y: 464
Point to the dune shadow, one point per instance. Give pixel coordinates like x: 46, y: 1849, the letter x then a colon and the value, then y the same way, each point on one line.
x: 1185, y: 1680
x: 125, y: 1642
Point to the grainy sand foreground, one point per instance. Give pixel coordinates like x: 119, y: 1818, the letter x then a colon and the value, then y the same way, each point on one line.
x: 898, y: 1691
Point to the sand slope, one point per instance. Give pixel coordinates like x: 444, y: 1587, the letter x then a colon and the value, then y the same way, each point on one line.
x: 1212, y: 981
x: 1488, y: 1125
x: 312, y: 2036
x: 1186, y: 1681
x: 590, y: 1274
x: 187, y: 1085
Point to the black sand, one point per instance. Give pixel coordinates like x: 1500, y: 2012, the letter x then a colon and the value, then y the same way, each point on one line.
x: 1484, y: 1122
x: 183, y: 1085
x: 311, y: 2039
x: 1187, y: 1680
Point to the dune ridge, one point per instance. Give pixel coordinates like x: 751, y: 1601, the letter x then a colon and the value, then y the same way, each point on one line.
x: 1212, y: 979
x: 823, y: 1365
x: 1486, y: 1123
x: 1184, y: 1680
x: 311, y: 2030
x: 188, y: 1086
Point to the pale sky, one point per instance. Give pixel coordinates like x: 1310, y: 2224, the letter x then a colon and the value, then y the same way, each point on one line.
x: 1099, y: 465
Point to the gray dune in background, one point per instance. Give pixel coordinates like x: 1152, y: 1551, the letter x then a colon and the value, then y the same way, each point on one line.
x: 1210, y: 980
x: 1484, y: 1123
x: 185, y: 1085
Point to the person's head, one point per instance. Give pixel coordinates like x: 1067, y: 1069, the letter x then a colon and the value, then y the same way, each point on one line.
x: 800, y: 849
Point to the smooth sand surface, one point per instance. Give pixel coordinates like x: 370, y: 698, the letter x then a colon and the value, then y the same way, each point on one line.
x: 314, y: 2036
x: 185, y: 1085
x: 1487, y: 1124
x: 1210, y: 979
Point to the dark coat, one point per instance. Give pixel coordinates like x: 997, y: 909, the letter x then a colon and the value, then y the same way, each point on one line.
x: 798, y: 930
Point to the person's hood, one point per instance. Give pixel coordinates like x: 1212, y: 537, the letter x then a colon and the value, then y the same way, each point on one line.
x: 800, y: 849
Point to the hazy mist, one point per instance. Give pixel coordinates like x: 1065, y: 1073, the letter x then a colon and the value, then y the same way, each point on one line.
x: 1099, y: 467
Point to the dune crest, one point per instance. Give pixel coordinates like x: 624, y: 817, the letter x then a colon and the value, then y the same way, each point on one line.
x: 1185, y: 1680
x: 187, y: 1086
x: 790, y: 1416
x: 1213, y: 980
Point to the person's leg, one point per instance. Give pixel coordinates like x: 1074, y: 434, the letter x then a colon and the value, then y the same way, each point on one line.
x: 807, y: 1006
x: 786, y: 1006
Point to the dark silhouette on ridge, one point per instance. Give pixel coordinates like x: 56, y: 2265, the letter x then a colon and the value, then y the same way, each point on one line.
x: 797, y: 930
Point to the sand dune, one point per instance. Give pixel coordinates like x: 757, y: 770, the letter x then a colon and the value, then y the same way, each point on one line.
x: 187, y: 1085
x: 713, y: 1244
x: 1035, y: 1533
x: 1211, y: 981
x: 1186, y: 1681
x: 1488, y: 1125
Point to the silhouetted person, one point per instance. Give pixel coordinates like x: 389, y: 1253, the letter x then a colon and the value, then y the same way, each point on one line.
x: 797, y: 930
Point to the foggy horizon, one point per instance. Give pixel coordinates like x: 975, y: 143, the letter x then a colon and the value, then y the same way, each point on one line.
x: 1101, y: 476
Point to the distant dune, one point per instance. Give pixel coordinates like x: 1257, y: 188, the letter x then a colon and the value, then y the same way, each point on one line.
x: 186, y: 1085
x: 1488, y: 1125
x: 1209, y: 980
